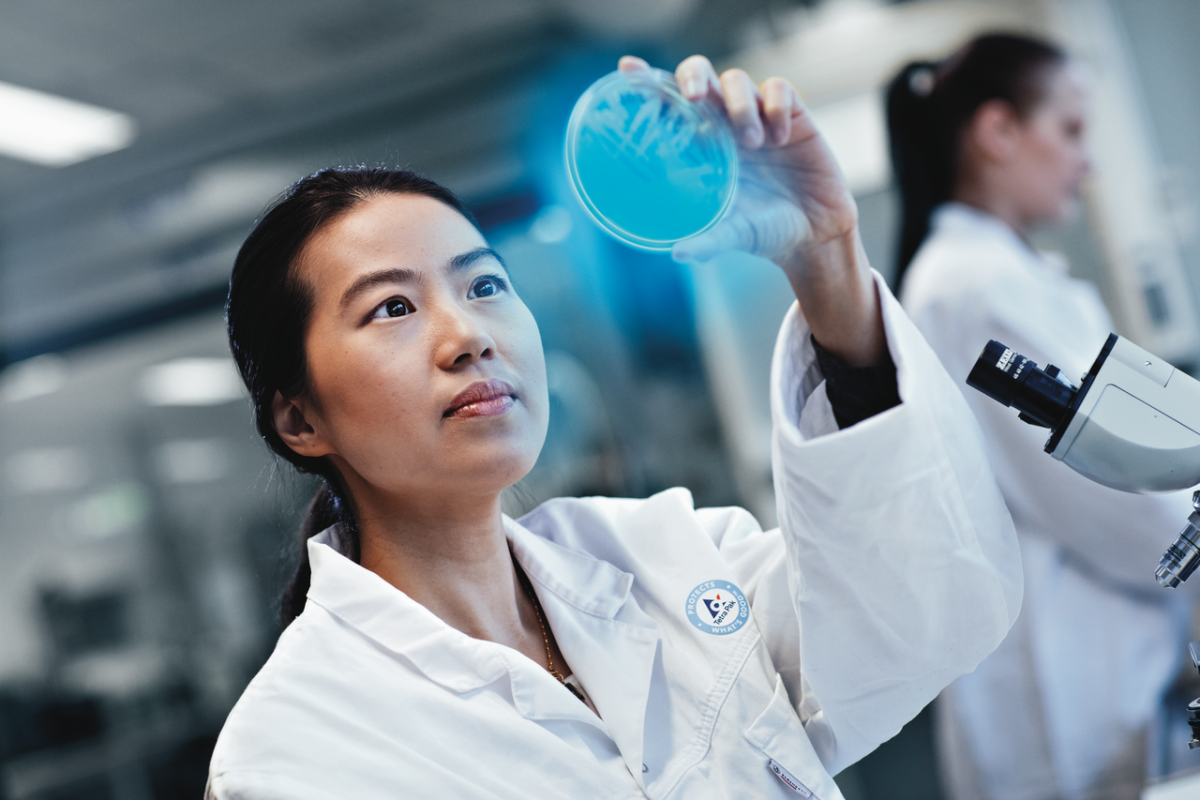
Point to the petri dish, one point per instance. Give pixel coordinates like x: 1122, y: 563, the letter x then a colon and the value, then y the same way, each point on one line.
x: 650, y: 166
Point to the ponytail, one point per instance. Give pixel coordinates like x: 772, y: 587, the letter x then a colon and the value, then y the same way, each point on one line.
x: 324, y: 511
x: 922, y: 162
x: 929, y: 105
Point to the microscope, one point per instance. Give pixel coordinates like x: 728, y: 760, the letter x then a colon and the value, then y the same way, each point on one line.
x: 1133, y: 424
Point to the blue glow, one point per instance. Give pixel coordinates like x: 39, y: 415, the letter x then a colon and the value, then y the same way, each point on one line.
x: 650, y: 166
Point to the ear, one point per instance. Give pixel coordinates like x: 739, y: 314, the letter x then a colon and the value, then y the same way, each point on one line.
x: 295, y: 430
x: 995, y: 129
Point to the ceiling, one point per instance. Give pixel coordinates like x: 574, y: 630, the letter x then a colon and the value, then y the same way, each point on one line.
x: 173, y: 66
x: 235, y: 98
x: 184, y: 68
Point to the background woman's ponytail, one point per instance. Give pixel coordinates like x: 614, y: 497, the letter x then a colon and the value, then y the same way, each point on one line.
x: 267, y: 319
x: 922, y: 166
x: 929, y: 105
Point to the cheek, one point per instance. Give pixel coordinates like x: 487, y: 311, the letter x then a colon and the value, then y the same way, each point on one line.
x: 1054, y: 166
x: 521, y: 347
x: 1062, y: 156
x: 361, y: 391
x: 531, y: 360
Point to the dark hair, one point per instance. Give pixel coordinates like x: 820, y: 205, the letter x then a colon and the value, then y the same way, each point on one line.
x: 267, y: 315
x: 928, y: 106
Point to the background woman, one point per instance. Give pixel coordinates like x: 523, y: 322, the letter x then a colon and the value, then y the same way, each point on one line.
x: 986, y: 145
x: 597, y: 647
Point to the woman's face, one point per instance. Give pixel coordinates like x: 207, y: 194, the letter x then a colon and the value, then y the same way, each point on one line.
x: 426, y: 372
x: 1050, y: 160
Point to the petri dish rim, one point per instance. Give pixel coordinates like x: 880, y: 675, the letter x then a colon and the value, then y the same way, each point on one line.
x: 664, y: 83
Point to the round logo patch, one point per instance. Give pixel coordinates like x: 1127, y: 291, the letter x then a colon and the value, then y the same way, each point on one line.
x: 717, y: 607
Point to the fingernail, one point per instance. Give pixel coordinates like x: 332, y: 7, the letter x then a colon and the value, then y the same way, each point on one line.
x: 694, y: 87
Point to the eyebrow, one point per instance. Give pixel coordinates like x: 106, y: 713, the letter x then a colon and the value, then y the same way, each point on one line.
x: 467, y: 259
x: 384, y: 277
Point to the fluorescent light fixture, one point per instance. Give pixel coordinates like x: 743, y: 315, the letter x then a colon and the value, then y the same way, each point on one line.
x: 194, y: 460
x: 47, y: 469
x: 35, y: 377
x: 54, y: 131
x: 192, y: 382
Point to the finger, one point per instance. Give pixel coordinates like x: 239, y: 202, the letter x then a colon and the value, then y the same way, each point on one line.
x: 780, y: 103
x: 743, y: 103
x: 697, y: 79
x: 632, y: 64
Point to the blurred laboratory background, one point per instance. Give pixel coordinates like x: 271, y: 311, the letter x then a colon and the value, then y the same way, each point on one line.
x: 145, y: 530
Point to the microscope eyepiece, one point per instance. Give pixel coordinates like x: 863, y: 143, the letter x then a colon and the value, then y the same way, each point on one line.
x: 1013, y: 380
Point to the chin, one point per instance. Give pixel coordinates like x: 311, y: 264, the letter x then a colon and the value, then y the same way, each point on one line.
x: 494, y: 463
x: 1064, y: 213
x: 500, y: 470
x: 510, y: 474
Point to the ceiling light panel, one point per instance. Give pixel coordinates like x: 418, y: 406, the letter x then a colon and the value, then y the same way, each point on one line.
x: 192, y: 382
x: 54, y: 131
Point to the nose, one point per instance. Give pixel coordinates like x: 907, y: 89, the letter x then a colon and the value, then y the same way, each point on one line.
x: 462, y: 338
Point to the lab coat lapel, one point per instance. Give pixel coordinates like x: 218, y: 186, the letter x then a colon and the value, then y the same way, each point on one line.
x: 609, y: 642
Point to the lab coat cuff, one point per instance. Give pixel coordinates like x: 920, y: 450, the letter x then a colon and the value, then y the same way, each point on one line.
x: 799, y: 398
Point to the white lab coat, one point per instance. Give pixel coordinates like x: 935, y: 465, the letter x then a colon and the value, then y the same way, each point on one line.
x: 1061, y: 709
x: 895, y: 570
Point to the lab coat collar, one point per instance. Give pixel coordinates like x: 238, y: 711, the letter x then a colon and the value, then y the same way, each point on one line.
x: 955, y: 217
x: 593, y: 586
x: 610, y: 643
x: 383, y: 613
x: 960, y: 218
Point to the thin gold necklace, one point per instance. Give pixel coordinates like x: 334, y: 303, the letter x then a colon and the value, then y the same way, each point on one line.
x: 537, y: 609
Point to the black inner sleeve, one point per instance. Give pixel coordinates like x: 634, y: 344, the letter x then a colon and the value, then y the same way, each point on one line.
x: 857, y: 393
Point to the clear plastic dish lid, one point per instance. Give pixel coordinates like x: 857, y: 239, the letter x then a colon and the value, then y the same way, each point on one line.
x: 650, y: 166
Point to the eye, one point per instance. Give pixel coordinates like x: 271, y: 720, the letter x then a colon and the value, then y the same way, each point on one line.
x: 487, y: 286
x: 394, y: 307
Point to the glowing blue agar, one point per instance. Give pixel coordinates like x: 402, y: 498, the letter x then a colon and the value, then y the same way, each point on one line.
x: 650, y: 166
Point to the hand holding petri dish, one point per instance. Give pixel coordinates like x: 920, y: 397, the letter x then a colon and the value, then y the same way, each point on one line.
x: 650, y: 166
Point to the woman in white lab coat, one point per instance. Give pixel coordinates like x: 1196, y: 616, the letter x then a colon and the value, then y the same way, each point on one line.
x: 986, y: 145
x: 597, y: 647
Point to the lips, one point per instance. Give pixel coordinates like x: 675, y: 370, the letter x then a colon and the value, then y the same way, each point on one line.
x: 482, y: 399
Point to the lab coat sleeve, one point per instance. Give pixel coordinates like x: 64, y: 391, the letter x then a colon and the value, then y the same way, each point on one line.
x: 1114, y: 537
x: 900, y: 564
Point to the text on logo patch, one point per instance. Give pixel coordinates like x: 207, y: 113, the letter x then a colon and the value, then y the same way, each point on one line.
x: 717, y: 607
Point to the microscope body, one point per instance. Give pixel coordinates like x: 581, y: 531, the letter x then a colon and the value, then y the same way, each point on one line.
x: 1134, y: 424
